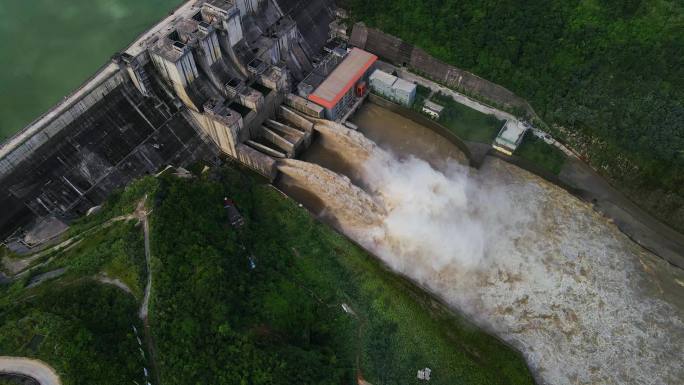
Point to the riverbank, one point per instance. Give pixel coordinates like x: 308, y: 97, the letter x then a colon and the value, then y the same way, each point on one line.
x: 576, y: 177
x: 527, y: 260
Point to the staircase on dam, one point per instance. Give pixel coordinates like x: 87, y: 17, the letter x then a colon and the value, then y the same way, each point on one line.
x: 279, y: 140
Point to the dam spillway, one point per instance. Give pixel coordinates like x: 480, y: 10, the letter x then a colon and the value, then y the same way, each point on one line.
x: 353, y: 209
x: 520, y: 256
x: 117, y: 138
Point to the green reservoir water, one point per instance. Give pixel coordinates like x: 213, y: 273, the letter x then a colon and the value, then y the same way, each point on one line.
x: 49, y: 47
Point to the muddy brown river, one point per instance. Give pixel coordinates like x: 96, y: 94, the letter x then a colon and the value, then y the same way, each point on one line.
x: 525, y: 259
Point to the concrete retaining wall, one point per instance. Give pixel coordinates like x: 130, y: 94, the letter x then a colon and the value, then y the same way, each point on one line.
x: 97, y: 145
x: 304, y: 106
x: 255, y: 119
x: 106, y: 133
x: 295, y: 119
x: 279, y: 141
x: 465, y: 148
x: 257, y: 161
x: 401, y: 53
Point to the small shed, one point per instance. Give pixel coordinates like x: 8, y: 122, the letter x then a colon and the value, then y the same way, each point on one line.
x: 434, y: 110
x: 424, y: 374
x: 510, y: 136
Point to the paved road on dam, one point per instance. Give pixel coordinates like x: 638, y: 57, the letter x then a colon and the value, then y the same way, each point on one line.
x: 35, y: 369
x: 146, y: 299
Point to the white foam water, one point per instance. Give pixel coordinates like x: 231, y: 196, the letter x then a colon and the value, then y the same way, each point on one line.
x: 522, y: 257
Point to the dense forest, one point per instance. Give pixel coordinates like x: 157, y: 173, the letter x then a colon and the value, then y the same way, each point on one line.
x: 263, y: 304
x: 606, y: 75
x: 82, y: 329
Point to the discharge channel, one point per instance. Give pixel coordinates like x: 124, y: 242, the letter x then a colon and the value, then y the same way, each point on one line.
x: 522, y: 257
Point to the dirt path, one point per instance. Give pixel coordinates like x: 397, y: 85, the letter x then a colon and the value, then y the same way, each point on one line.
x: 36, y: 369
x: 40, y: 278
x: 363, y: 322
x: 141, y: 213
x: 115, y: 282
x: 474, y: 104
x: 40, y: 371
x: 16, y: 265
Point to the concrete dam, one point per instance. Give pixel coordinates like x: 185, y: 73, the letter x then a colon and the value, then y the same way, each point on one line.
x: 236, y: 78
x: 209, y: 80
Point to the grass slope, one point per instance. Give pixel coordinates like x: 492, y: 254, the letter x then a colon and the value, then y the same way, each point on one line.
x: 467, y: 123
x: 541, y: 153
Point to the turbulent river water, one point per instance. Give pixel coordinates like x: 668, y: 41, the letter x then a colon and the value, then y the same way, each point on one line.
x: 50, y: 47
x: 522, y: 257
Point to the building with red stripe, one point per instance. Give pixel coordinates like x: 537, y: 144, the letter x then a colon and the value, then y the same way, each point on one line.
x: 336, y: 92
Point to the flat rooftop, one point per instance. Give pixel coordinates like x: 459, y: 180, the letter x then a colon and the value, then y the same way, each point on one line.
x: 433, y: 106
x: 383, y: 77
x: 226, y: 5
x: 343, y: 77
x: 511, y: 133
x: 404, y: 85
x: 181, y: 20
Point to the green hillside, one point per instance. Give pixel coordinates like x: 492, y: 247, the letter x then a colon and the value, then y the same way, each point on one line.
x: 606, y: 75
x: 216, y: 319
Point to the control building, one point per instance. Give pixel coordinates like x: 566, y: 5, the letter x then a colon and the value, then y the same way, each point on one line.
x: 336, y: 92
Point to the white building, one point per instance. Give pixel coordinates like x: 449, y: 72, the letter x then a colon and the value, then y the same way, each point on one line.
x: 434, y: 110
x: 509, y: 137
x: 381, y: 82
x: 392, y: 87
x: 424, y: 374
x: 404, y: 91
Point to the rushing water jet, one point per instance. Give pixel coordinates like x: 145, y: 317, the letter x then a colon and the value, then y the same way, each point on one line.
x: 523, y: 258
x: 352, y: 146
x: 350, y: 206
